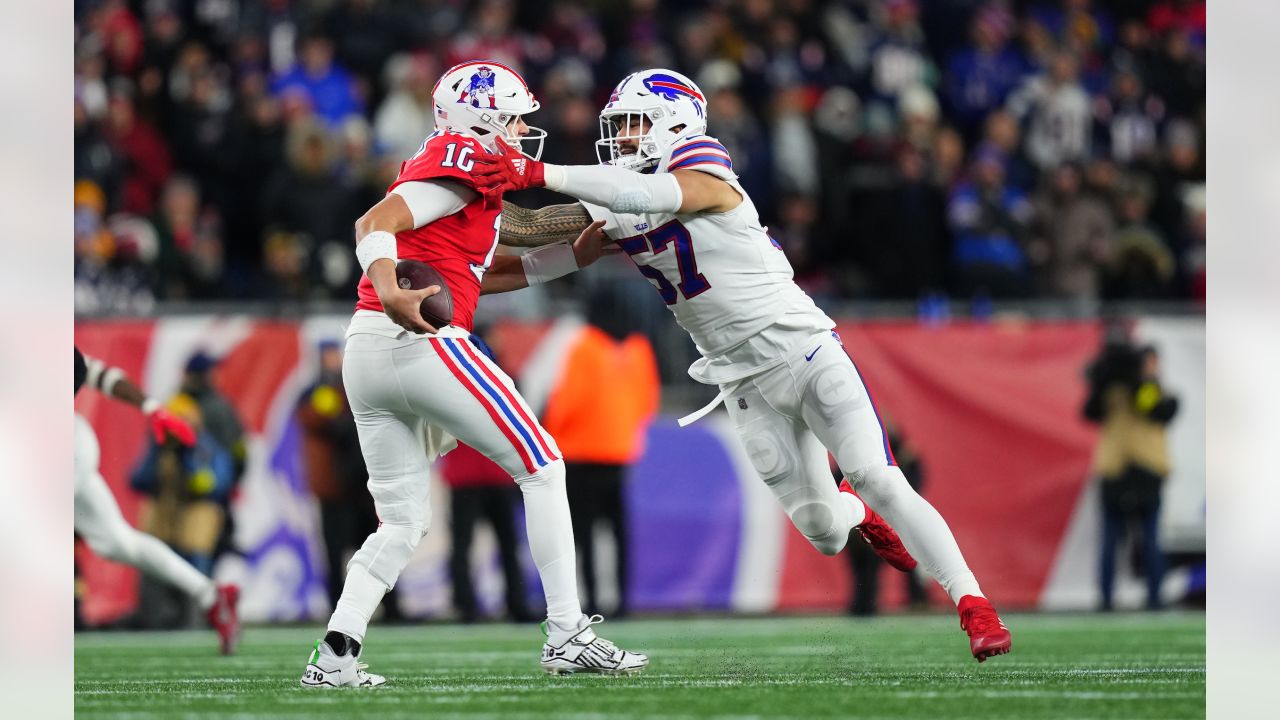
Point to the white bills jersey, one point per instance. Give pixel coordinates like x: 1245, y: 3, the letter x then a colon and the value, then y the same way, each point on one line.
x: 726, y: 280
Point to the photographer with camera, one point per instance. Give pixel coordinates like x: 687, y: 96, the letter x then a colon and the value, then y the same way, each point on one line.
x: 1132, y: 458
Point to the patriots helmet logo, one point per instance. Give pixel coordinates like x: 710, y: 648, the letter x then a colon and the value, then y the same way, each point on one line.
x: 481, y: 84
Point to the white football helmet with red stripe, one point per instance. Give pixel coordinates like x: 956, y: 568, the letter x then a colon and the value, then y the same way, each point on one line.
x: 673, y: 105
x: 481, y: 98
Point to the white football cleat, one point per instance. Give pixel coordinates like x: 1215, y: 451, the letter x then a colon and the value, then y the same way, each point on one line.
x: 327, y: 669
x: 581, y: 650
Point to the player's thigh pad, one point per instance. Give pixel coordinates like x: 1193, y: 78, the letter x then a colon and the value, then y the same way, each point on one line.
x: 793, y: 464
x: 836, y: 406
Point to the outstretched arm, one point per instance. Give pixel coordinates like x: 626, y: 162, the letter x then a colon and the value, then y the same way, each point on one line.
x: 114, y: 382
x: 682, y: 191
x: 522, y: 227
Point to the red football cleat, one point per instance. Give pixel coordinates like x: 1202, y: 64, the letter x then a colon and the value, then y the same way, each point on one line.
x: 882, y: 538
x: 224, y: 618
x: 988, y: 636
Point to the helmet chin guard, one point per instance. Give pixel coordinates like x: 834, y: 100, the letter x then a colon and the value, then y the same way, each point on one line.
x: 482, y: 98
x: 672, y: 105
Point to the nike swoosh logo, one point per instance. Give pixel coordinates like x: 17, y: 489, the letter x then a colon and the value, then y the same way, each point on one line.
x: 809, y: 357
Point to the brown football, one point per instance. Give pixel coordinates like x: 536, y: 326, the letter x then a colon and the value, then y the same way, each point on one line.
x: 415, y: 275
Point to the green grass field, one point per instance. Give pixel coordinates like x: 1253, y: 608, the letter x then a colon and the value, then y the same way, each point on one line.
x: 1062, y: 666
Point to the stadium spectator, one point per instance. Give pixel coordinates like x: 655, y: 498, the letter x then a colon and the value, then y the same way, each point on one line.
x: 1059, y: 113
x: 190, y: 263
x: 1070, y: 236
x: 1001, y: 131
x: 112, y: 276
x: 1141, y: 265
x: 1128, y: 119
x: 305, y: 200
x: 364, y: 33
x: 147, y: 161
x: 327, y: 87
x: 981, y: 76
x: 599, y: 424
x: 899, y: 59
x: 989, y: 222
x: 1131, y: 461
x: 406, y: 116
x: 1178, y: 75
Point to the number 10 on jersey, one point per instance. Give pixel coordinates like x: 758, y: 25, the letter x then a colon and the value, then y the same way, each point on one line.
x: 691, y: 282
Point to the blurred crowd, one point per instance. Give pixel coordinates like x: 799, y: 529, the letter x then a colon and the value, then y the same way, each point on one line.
x: 896, y: 148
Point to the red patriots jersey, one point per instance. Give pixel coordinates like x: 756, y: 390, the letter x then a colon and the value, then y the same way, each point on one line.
x: 460, y: 246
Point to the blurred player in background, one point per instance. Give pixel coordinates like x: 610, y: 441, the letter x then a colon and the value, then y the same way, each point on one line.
x: 669, y: 197
x: 403, y: 386
x: 98, y: 519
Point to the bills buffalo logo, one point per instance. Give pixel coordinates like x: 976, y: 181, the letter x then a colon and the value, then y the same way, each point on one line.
x: 673, y: 88
x: 481, y: 84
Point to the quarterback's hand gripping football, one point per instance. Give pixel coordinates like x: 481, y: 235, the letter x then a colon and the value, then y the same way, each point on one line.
x: 404, y: 307
x: 164, y: 423
x: 507, y: 170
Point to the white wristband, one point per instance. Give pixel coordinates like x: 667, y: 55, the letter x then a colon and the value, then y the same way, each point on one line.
x: 375, y: 246
x: 150, y: 405
x: 548, y: 263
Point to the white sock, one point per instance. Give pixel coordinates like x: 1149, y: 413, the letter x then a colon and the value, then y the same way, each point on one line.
x: 361, y: 593
x: 159, y: 560
x: 857, y: 510
x: 923, y: 531
x: 550, y: 528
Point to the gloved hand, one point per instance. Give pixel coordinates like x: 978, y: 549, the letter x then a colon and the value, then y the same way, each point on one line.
x: 507, y: 170
x: 164, y: 423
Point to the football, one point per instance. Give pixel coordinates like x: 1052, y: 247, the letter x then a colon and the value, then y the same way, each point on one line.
x: 414, y: 275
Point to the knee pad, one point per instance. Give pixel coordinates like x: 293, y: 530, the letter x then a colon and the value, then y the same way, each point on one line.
x: 817, y: 522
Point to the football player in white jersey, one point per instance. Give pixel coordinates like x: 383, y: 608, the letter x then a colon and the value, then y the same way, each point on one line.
x: 98, y: 518
x: 670, y: 200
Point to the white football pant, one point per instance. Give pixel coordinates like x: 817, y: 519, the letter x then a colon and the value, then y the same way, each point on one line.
x: 395, y: 387
x: 99, y: 522
x: 790, y: 416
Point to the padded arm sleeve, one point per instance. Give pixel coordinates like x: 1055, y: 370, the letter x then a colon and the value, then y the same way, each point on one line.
x: 623, y: 191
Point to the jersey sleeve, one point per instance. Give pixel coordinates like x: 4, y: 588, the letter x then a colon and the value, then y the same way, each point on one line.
x: 446, y: 156
x: 611, y: 224
x: 703, y: 153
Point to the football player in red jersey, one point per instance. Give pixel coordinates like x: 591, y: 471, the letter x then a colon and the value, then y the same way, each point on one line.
x: 407, y: 380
